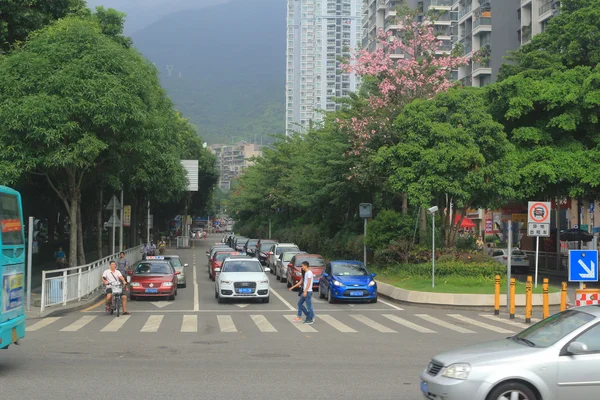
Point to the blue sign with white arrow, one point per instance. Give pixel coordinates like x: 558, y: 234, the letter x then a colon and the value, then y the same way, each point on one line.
x: 583, y: 265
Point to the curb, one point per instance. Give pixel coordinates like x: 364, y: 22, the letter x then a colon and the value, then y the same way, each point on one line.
x: 458, y: 299
x: 74, y: 306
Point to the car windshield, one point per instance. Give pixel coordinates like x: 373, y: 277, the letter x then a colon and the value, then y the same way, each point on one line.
x: 264, y: 246
x: 222, y: 256
x: 518, y: 253
x: 281, y: 250
x: 252, y: 243
x: 348, y: 270
x: 153, y: 268
x: 176, y: 262
x: 550, y: 330
x: 498, y: 253
x: 312, y: 262
x: 287, y: 257
x: 242, y: 266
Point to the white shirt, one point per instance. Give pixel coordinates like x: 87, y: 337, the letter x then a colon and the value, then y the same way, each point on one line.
x: 112, y: 277
x: 308, y: 275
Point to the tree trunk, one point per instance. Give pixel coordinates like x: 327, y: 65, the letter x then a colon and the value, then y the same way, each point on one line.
x: 423, y: 226
x: 80, y: 244
x: 404, y: 203
x: 133, y: 227
x: 99, y: 224
x: 73, y: 226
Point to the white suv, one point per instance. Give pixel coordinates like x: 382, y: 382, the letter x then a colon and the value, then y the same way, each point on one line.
x: 242, y: 277
x: 276, y: 250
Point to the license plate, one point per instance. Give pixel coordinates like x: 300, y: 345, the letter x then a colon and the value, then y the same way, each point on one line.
x: 517, y: 259
x: 316, y: 281
x: 245, y: 290
x: 151, y: 290
x: 424, y: 388
x: 356, y: 293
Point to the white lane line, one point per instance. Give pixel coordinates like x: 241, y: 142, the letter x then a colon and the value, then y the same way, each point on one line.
x: 41, y: 324
x: 479, y: 323
x: 505, y: 321
x: 196, y: 298
x: 372, y: 324
x: 390, y: 305
x: 226, y: 323
x: 190, y: 323
x: 408, y: 324
x: 284, y: 301
x: 301, y: 326
x: 338, y: 310
x: 115, y: 324
x: 80, y: 323
x: 153, y: 323
x: 262, y: 323
x: 444, y: 324
x: 335, y: 323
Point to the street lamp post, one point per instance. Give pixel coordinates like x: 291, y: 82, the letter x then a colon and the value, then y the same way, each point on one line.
x: 432, y: 211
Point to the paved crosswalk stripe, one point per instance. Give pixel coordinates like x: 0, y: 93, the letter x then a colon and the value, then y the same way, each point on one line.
x: 479, y: 323
x: 115, y: 324
x: 77, y: 325
x: 42, y: 324
x: 335, y: 323
x: 505, y: 321
x: 444, y: 324
x: 226, y: 323
x: 153, y: 323
x: 190, y: 323
x: 372, y: 324
x: 534, y: 320
x: 262, y: 323
x: 408, y: 324
x: 302, y: 327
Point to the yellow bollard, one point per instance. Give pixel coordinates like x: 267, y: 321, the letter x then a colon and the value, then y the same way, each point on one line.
x: 546, y: 309
x: 513, y: 283
x: 528, y: 300
x: 584, y: 286
x: 497, y: 295
x: 563, y: 297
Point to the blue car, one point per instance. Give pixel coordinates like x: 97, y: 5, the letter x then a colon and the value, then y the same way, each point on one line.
x: 347, y: 280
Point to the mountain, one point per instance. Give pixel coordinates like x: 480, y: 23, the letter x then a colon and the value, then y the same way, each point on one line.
x: 227, y: 66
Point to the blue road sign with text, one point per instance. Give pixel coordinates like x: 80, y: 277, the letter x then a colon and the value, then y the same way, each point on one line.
x: 583, y: 265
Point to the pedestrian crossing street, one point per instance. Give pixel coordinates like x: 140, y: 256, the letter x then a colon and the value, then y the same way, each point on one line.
x: 384, y: 323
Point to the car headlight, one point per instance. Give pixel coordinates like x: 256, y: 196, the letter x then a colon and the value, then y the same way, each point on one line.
x: 263, y: 282
x: 457, y: 371
x: 372, y: 283
x: 225, y: 282
x: 135, y: 284
x: 167, y: 284
x: 297, y: 273
x: 338, y: 283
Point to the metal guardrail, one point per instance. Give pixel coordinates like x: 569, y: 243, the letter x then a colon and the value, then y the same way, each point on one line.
x: 61, y: 286
x: 547, y: 261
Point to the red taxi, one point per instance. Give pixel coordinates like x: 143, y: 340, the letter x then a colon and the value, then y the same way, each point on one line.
x: 217, y: 260
x: 152, y: 278
x: 294, y: 270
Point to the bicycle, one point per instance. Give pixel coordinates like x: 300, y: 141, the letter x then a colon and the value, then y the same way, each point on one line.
x: 117, y: 293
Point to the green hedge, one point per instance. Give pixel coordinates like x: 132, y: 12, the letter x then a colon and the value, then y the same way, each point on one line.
x: 451, y: 268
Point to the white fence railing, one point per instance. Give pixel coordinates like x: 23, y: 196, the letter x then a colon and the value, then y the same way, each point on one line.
x: 61, y: 286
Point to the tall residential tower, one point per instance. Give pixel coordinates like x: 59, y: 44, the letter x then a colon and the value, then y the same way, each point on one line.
x: 319, y: 33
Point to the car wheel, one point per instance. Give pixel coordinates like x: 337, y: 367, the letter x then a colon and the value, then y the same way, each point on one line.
x: 289, y: 283
x: 374, y: 300
x: 216, y: 294
x: 220, y: 299
x: 171, y: 297
x: 330, y: 298
x: 321, y: 294
x: 184, y: 286
x: 513, y: 391
x: 132, y: 297
x: 277, y: 276
x: 209, y: 275
x: 266, y: 300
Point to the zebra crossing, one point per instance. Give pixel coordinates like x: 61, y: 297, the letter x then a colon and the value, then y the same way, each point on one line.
x: 351, y: 323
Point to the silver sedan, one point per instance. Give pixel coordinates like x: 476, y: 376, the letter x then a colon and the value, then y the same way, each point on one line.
x: 556, y: 359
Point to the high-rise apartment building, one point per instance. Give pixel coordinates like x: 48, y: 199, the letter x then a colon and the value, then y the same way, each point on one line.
x: 233, y: 160
x: 319, y: 33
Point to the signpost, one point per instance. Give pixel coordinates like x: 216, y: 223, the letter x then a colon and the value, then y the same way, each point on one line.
x: 538, y: 224
x: 583, y: 266
x: 365, y: 210
x: 114, y: 220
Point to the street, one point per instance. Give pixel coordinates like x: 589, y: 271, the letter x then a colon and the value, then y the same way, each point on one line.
x: 195, y: 347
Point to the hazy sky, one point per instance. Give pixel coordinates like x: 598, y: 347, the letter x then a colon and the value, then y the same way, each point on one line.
x: 141, y: 13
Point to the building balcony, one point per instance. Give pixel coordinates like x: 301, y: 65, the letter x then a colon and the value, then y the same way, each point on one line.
x: 465, y: 11
x: 441, y: 4
x: 484, y: 23
x: 381, y: 4
x: 525, y: 34
x: 391, y: 14
x: 525, y: 2
x: 444, y: 48
x: 481, y: 67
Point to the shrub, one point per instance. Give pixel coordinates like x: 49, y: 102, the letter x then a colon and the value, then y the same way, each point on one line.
x: 486, y: 270
x: 492, y: 239
x: 466, y: 243
x: 446, y: 258
x: 387, y: 227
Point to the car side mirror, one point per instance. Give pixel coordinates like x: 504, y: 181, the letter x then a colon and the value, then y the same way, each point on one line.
x: 207, y: 253
x: 217, y: 269
x: 267, y: 269
x: 373, y: 275
x: 576, y: 348
x: 290, y: 265
x: 325, y: 274
x: 186, y: 265
x: 129, y: 272
x: 177, y: 273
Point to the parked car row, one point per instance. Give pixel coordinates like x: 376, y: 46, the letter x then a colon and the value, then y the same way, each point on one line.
x: 335, y: 280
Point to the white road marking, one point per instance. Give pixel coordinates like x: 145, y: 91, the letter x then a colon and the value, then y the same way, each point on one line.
x: 372, y: 324
x: 161, y: 304
x: 331, y: 310
x: 479, y: 323
x: 243, y: 305
x: 41, y: 324
x: 444, y: 324
x: 190, y: 323
x: 262, y: 323
x: 80, y: 323
x: 196, y: 298
x: 284, y: 301
x: 408, y: 324
x: 335, y: 323
x: 302, y: 327
x: 153, y: 323
x: 505, y: 321
x: 390, y: 305
x: 115, y: 324
x: 226, y: 323
x: 523, y: 318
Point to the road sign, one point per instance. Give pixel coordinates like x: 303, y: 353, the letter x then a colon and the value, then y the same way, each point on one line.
x: 114, y: 221
x: 583, y: 265
x: 365, y: 210
x: 538, y: 212
x: 542, y: 230
x: 117, y: 204
x: 591, y: 206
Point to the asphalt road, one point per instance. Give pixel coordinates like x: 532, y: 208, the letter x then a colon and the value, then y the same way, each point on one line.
x: 196, y: 348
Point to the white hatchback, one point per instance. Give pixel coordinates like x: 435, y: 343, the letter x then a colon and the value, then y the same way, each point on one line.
x: 519, y: 260
x: 242, y: 277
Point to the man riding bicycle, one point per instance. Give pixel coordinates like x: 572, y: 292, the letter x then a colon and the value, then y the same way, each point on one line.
x: 109, y: 277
